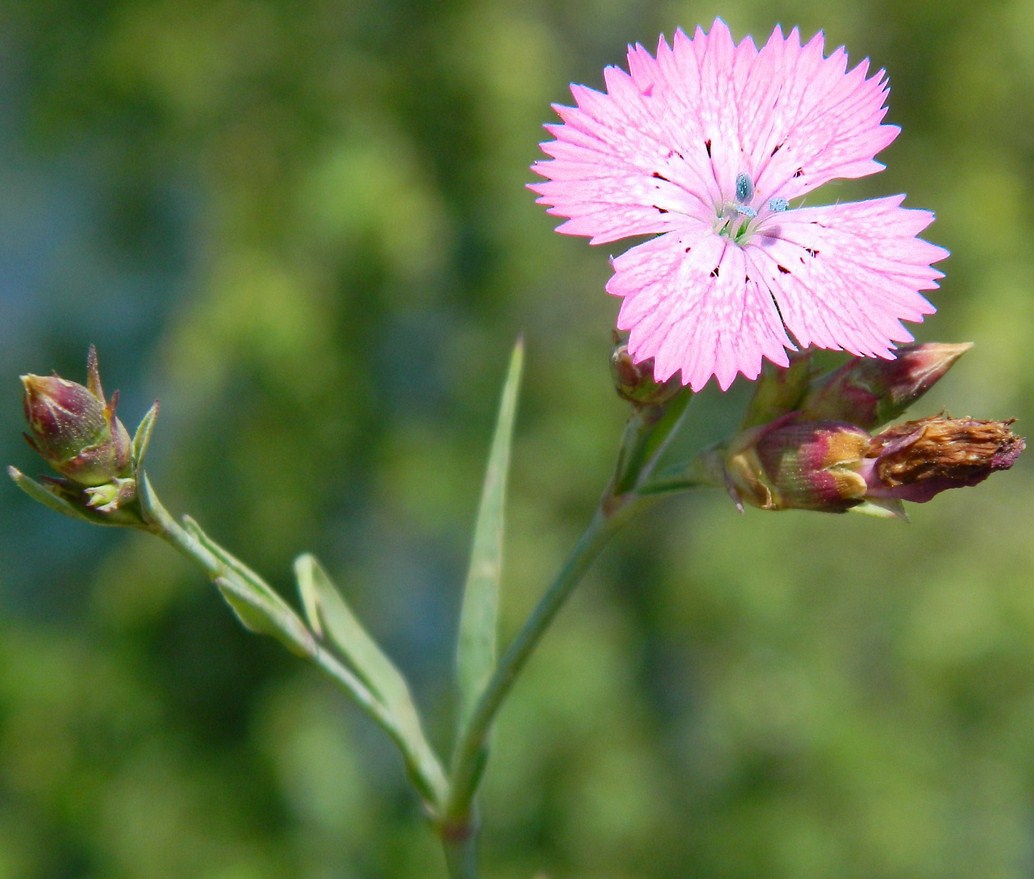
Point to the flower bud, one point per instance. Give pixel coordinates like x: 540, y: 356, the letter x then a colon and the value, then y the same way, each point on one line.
x: 869, y: 392
x: 635, y: 382
x: 800, y: 465
x: 919, y: 459
x: 74, y: 430
x: 833, y: 466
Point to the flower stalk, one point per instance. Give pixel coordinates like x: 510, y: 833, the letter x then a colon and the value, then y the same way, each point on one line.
x: 468, y: 764
x: 75, y: 430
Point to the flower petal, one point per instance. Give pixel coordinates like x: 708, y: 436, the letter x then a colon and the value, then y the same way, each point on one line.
x: 844, y: 276
x: 614, y: 171
x: 805, y: 121
x: 691, y: 305
x: 672, y: 135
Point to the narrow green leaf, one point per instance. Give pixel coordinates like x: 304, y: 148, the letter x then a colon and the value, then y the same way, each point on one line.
x: 882, y: 509
x: 236, y: 566
x: 331, y: 618
x: 142, y: 437
x: 476, y: 650
x: 258, y: 606
x: 53, y: 498
x: 257, y: 614
x: 261, y: 609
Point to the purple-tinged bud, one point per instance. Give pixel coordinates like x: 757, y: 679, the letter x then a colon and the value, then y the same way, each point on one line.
x: 635, y: 382
x: 792, y: 464
x: 869, y: 392
x: 75, y: 430
x: 919, y: 459
x: 833, y: 466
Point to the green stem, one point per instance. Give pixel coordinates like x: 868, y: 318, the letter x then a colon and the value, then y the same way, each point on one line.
x: 647, y: 434
x: 707, y: 469
x: 461, y: 851
x: 468, y: 759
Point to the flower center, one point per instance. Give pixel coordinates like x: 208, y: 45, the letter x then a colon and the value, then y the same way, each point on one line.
x: 735, y: 220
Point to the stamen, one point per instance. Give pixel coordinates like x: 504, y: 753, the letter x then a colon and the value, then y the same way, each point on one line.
x: 744, y: 188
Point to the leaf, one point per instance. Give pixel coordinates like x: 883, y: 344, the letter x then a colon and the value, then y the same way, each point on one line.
x: 41, y: 493
x: 142, y: 437
x: 236, y: 566
x: 261, y: 609
x: 880, y: 508
x: 257, y: 605
x: 476, y: 648
x: 331, y: 618
x: 258, y: 614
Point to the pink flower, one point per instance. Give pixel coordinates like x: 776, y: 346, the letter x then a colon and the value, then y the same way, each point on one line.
x: 704, y: 147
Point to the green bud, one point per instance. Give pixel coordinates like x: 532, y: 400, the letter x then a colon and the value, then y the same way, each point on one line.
x: 780, y: 388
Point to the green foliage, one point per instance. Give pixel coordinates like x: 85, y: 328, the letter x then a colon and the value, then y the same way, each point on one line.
x: 331, y: 618
x: 479, y: 615
x: 303, y: 227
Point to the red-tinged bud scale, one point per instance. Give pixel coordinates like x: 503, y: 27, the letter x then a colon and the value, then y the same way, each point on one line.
x: 63, y: 418
x: 798, y: 465
x: 74, y: 429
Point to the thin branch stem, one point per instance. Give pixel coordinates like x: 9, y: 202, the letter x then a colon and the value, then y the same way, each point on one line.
x: 646, y: 436
x: 468, y: 759
x: 233, y: 577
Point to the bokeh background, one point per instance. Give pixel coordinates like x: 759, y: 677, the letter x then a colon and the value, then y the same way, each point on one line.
x: 303, y: 227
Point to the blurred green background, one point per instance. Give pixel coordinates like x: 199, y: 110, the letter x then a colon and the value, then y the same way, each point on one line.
x: 303, y: 227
